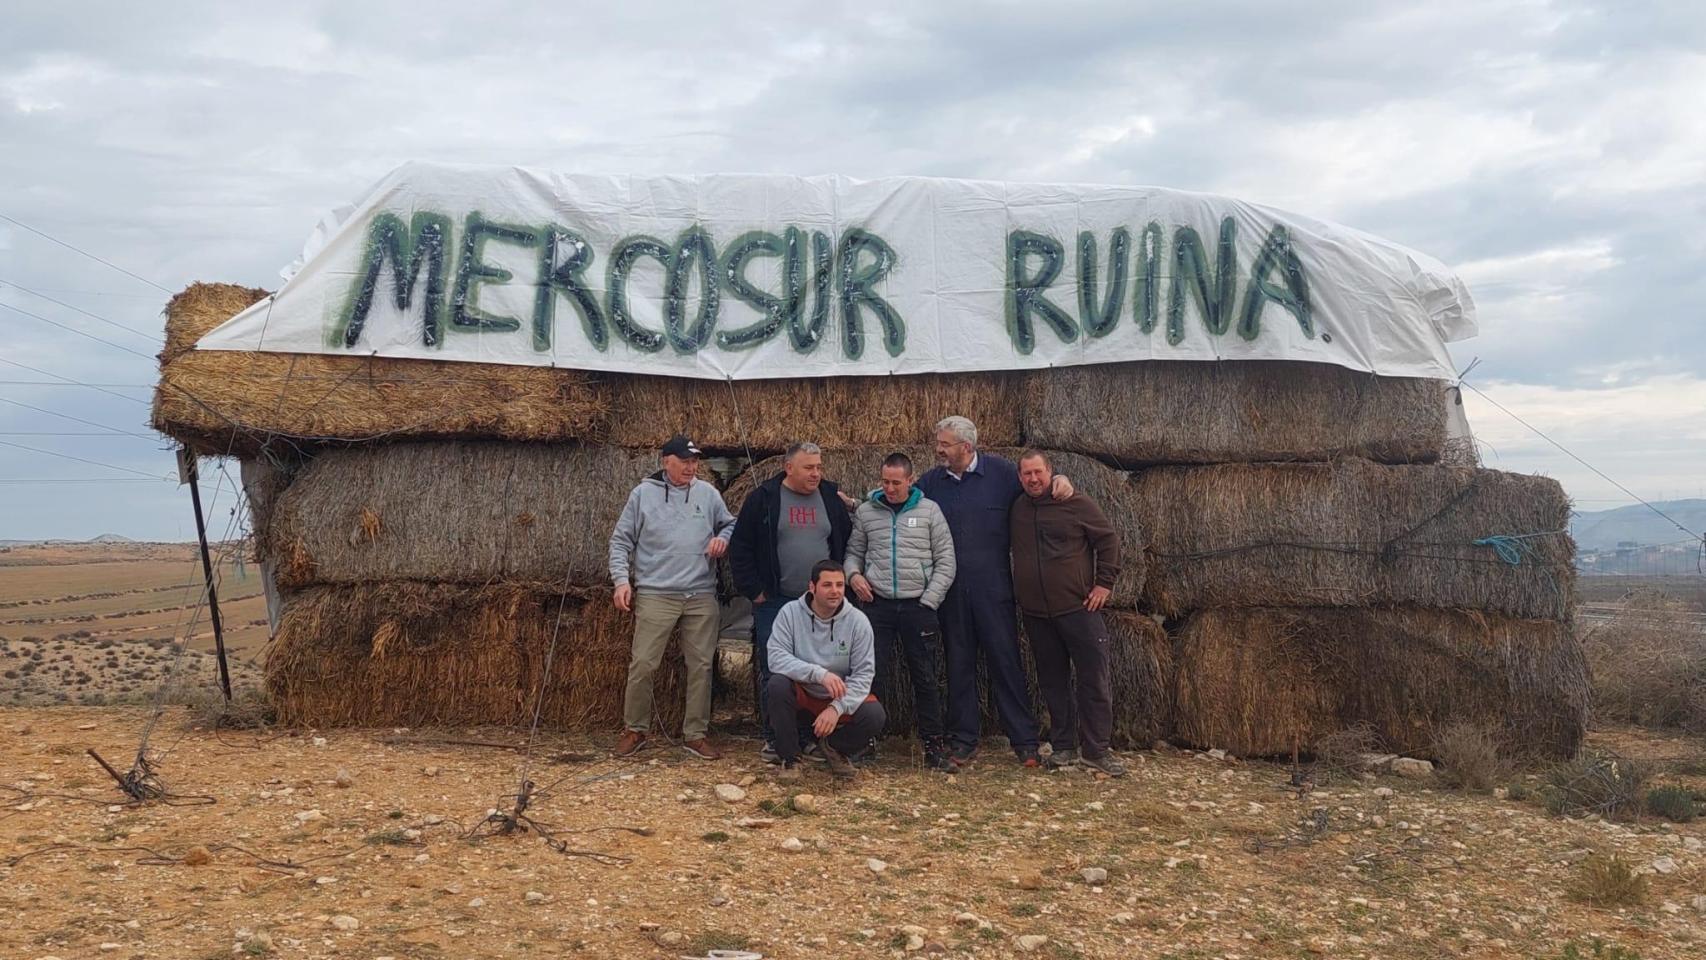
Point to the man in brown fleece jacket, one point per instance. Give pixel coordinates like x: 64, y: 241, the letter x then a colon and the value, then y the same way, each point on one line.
x: 1066, y: 557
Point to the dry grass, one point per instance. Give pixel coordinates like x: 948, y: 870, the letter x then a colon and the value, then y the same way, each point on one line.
x: 456, y: 512
x: 1339, y: 754
x: 1159, y: 411
x: 1258, y: 682
x: 1608, y: 882
x: 1354, y: 533
x: 1649, y: 664
x: 415, y: 654
x: 857, y: 470
x: 1471, y: 756
x: 1594, y: 784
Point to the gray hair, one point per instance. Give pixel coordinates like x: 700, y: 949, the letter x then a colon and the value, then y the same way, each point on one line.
x: 804, y: 446
x: 963, y: 430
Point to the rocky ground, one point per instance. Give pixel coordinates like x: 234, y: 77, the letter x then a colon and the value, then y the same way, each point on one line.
x: 357, y: 844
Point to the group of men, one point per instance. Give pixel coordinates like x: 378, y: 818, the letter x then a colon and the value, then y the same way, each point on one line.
x: 935, y: 565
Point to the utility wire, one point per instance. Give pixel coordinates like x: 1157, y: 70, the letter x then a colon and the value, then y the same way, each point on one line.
x: 78, y: 332
x: 71, y: 306
x: 79, y: 250
x: 1601, y: 473
x: 67, y: 456
x: 67, y: 416
x: 74, y: 383
x: 53, y: 480
x: 92, y: 386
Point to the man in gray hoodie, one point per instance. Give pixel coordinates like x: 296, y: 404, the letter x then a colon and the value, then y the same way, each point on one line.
x: 673, y: 527
x: 822, y: 661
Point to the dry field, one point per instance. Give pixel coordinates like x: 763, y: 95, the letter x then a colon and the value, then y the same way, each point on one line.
x: 94, y: 623
x: 362, y: 843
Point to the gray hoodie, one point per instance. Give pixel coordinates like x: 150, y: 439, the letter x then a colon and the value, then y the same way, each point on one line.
x: 660, y: 539
x: 804, y: 648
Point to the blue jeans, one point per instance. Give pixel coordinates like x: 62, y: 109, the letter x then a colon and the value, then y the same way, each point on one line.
x: 763, y: 620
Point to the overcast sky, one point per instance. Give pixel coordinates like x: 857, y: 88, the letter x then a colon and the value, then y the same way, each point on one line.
x: 1553, y: 153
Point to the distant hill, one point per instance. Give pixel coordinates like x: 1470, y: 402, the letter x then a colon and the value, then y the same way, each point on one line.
x: 1605, y: 529
x: 103, y: 538
x: 111, y: 538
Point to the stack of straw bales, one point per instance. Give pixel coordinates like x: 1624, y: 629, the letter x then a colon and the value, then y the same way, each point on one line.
x: 1298, y: 556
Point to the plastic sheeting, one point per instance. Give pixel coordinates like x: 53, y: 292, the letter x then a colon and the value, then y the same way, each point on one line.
x: 752, y: 277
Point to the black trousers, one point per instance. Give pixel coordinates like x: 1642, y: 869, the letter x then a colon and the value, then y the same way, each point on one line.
x: 786, y: 716
x: 978, y: 617
x: 911, y: 626
x: 1081, y: 709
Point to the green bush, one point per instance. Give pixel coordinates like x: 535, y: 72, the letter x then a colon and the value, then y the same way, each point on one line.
x: 1608, y: 882
x: 1603, y: 784
x: 1676, y: 804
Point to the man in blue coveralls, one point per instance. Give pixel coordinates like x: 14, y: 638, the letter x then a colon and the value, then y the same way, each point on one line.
x: 975, y: 491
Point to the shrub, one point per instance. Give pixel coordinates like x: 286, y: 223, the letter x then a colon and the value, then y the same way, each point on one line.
x: 1604, y: 784
x: 249, y: 709
x: 1676, y: 804
x: 1340, y: 754
x: 1649, y: 664
x: 1594, y: 783
x: 1608, y: 882
x: 1471, y: 756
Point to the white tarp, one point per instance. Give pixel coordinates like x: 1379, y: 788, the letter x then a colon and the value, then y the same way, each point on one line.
x: 755, y: 277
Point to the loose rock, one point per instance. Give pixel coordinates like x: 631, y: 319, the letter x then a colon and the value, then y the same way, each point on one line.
x: 875, y: 865
x: 805, y: 803
x: 1030, y: 942
x: 729, y: 793
x: 345, y: 922
x: 1412, y: 768
x: 197, y: 856
x: 793, y: 845
x: 1094, y: 876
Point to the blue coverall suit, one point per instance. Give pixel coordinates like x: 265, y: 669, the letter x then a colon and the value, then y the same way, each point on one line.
x: 979, y: 610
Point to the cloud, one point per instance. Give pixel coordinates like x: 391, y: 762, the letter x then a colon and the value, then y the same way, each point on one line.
x: 1551, y: 148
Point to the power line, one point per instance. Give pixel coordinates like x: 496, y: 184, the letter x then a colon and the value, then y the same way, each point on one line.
x: 79, y: 250
x: 74, y: 383
x: 92, y: 386
x: 69, y: 306
x: 67, y: 456
x: 67, y: 416
x: 85, y: 433
x: 1566, y: 451
x: 51, y: 480
x: 78, y: 332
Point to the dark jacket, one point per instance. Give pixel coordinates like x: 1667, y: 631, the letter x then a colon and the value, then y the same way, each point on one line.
x: 1061, y: 549
x: 976, y: 506
x: 752, y: 549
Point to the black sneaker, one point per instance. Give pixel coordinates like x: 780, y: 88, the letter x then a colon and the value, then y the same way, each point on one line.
x: 963, y: 755
x: 1061, y: 760
x: 934, y: 760
x: 865, y: 757
x: 1029, y: 759
x: 1106, y: 763
x: 768, y: 754
x: 813, y: 753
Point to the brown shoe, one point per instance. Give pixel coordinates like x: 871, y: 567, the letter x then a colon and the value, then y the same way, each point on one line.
x: 630, y: 742
x: 840, y: 767
x: 702, y: 749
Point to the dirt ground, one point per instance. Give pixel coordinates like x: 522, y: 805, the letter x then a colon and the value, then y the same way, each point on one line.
x: 1203, y: 857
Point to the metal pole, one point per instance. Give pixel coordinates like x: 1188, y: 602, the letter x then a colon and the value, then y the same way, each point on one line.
x: 207, y: 572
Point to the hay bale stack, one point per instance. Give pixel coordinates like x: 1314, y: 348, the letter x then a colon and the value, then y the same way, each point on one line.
x: 1260, y: 682
x: 1141, y: 660
x: 1354, y: 533
x: 412, y: 654
x: 857, y: 470
x: 1180, y: 411
x: 218, y: 401
x: 766, y: 416
x: 455, y: 512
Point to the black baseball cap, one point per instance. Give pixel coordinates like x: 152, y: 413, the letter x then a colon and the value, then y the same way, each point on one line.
x: 680, y: 446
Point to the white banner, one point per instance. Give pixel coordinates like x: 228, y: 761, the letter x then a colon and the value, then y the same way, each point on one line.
x: 754, y: 277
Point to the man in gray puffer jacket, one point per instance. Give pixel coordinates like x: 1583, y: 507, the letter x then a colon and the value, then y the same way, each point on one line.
x: 900, y: 563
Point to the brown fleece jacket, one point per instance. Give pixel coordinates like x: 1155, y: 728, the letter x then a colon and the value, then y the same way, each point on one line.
x: 1061, y: 549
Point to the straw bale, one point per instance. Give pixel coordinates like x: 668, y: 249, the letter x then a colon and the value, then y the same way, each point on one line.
x: 858, y: 469
x: 220, y: 401
x: 456, y: 512
x: 766, y: 416
x: 1180, y: 411
x: 416, y: 654
x: 1263, y: 681
x: 1141, y: 666
x: 1354, y: 533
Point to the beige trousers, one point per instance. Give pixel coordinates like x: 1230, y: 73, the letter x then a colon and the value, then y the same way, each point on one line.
x: 656, y: 615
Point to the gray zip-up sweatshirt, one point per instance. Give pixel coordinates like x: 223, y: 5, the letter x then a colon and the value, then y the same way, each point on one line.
x: 804, y: 648
x: 660, y: 538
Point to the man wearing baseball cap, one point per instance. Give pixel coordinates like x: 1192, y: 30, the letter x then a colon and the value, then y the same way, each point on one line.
x: 672, y: 529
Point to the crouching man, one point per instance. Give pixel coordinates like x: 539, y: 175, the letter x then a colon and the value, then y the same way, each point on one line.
x: 822, y: 661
